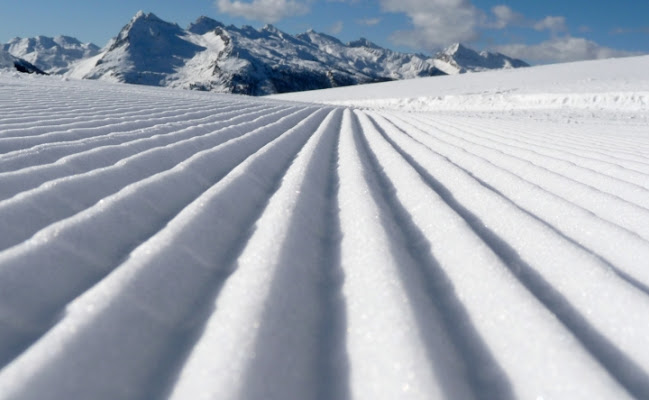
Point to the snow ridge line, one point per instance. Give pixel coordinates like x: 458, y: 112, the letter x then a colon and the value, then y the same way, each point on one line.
x: 606, y: 206
x: 46, y: 111
x: 597, y: 136
x: 261, y: 294
x: 599, y: 236
x: 587, y: 150
x: 164, y: 320
x: 41, y: 125
x: 603, y: 346
x: 128, y: 217
x: 66, y: 196
x: 107, y: 126
x: 103, y: 156
x: 377, y: 297
x: 466, y: 342
x: 135, y: 111
x: 573, y: 221
x: 53, y: 151
x: 633, y: 192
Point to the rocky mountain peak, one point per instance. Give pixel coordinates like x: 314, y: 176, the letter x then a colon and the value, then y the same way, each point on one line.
x: 203, y: 25
x: 362, y: 42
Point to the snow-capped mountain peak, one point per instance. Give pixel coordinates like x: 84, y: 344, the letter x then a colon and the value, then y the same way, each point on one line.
x: 362, y: 42
x: 53, y: 55
x: 204, y: 25
x: 145, y: 51
x: 211, y: 56
x: 458, y: 58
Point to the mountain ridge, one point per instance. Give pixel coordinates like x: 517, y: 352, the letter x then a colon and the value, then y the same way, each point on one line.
x: 210, y: 56
x: 54, y: 55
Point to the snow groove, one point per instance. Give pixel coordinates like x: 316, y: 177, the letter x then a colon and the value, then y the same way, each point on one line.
x: 103, y: 156
x: 582, y: 152
x: 598, y: 235
x: 605, y: 205
x: 51, y: 152
x: 483, y: 221
x: 206, y: 262
x: 129, y: 217
x: 555, y: 161
x: 468, y: 344
x: 175, y: 245
x: 66, y: 196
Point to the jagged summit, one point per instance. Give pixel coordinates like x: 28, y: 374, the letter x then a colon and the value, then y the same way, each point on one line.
x: 318, y: 37
x: 362, y: 42
x: 203, y: 25
x: 145, y: 16
x: 270, y: 28
x: 457, y: 48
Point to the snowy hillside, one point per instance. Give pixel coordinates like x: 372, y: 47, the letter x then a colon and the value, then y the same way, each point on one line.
x: 52, y: 55
x: 186, y: 245
x: 211, y: 56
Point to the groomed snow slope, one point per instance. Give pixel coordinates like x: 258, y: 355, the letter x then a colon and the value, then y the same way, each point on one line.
x: 172, y: 244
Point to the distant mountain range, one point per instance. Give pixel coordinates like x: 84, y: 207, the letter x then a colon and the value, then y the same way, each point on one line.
x: 211, y: 56
x: 52, y: 55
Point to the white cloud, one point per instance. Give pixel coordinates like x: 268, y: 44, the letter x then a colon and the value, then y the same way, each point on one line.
x: 439, y: 23
x: 369, y: 21
x: 551, y: 23
x: 436, y: 23
x: 505, y: 17
x: 336, y: 28
x: 263, y: 10
x: 563, y: 49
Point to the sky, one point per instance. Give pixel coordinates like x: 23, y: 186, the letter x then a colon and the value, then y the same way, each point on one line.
x: 538, y: 32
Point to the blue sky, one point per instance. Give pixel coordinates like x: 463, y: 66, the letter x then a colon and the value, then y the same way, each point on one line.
x: 538, y: 32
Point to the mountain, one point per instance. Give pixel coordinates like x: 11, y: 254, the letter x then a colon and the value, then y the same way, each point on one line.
x: 52, y: 55
x: 211, y: 56
x: 13, y: 63
x: 457, y: 59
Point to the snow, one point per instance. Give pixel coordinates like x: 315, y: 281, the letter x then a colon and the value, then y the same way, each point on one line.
x: 210, y: 56
x: 608, y: 85
x: 52, y: 55
x: 474, y: 236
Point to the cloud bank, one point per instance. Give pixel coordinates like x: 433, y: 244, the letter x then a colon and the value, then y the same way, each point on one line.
x: 269, y: 11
